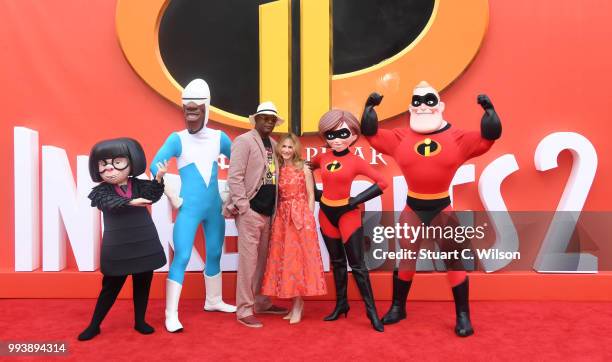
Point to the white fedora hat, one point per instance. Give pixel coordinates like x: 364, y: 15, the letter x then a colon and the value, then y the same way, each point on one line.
x: 267, y: 108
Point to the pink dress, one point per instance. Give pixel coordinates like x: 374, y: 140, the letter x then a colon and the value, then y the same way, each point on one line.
x: 294, y: 267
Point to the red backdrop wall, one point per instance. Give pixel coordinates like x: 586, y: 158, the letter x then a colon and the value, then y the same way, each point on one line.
x: 544, y: 63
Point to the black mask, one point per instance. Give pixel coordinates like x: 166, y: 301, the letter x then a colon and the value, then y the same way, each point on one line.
x: 428, y: 99
x: 343, y: 133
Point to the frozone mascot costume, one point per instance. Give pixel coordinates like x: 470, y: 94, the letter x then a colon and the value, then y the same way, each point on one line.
x: 196, y: 150
x: 429, y: 152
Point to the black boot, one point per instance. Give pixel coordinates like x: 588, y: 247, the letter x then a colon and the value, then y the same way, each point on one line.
x: 462, y: 309
x: 337, y: 259
x: 355, y: 254
x: 397, y: 311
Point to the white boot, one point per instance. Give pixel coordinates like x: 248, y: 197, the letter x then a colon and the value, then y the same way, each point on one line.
x: 214, y: 302
x: 173, y: 295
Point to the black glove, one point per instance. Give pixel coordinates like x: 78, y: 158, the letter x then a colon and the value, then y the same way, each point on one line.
x: 490, y: 125
x: 369, y: 118
x: 317, y: 193
x: 310, y: 165
x: 367, y: 194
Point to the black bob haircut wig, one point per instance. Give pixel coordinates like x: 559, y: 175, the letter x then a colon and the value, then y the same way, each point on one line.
x: 126, y: 147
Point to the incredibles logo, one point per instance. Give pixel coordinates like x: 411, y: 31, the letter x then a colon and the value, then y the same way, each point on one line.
x: 306, y: 56
x: 333, y: 166
x: 428, y: 147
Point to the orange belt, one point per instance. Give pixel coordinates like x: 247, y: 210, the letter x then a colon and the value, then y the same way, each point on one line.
x: 334, y: 203
x: 420, y: 196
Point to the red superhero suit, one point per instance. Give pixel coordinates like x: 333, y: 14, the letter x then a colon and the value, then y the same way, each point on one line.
x: 428, y: 160
x: 339, y: 215
x: 337, y: 218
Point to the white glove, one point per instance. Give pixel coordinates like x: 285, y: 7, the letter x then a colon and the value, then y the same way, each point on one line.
x: 175, y: 200
x: 225, y: 193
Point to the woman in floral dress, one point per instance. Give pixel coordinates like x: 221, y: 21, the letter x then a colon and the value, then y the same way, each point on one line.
x: 294, y: 268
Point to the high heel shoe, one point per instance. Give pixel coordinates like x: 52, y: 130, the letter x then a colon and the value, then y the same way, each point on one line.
x: 338, y: 262
x: 296, y: 311
x: 341, y: 308
x: 355, y: 253
x: 363, y: 283
x: 337, y: 312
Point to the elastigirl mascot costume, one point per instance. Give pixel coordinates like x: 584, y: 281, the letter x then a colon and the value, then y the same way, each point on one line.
x: 339, y: 215
x: 429, y: 153
x: 196, y: 149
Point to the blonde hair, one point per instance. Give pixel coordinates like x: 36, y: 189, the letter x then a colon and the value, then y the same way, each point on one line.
x: 296, y: 160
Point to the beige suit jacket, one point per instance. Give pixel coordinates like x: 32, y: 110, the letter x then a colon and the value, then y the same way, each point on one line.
x: 246, y: 170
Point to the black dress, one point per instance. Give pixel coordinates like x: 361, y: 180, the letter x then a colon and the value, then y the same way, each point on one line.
x: 130, y: 243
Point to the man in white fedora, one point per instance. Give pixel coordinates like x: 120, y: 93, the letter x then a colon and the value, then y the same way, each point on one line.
x: 252, y: 180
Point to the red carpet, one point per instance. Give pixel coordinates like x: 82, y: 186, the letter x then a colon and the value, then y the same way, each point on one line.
x: 504, y: 331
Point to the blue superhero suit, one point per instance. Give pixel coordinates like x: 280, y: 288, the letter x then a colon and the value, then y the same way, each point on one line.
x: 196, y: 150
x: 196, y: 156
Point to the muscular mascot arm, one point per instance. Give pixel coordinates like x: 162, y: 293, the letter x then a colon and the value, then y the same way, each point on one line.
x: 490, y: 125
x: 369, y: 118
x: 382, y: 140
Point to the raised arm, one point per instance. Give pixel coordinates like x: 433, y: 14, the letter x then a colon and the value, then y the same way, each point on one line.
x: 383, y: 140
x: 369, y: 118
x: 476, y: 143
x: 171, y: 148
x: 490, y: 124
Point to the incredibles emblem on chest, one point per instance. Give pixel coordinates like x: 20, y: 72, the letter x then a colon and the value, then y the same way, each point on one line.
x: 333, y: 166
x: 427, y: 147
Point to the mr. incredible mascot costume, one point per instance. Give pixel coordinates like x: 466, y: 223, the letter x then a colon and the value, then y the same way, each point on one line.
x: 429, y: 152
x: 196, y: 149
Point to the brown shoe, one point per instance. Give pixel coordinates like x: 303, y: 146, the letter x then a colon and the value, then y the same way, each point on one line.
x: 274, y: 310
x: 251, y: 322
